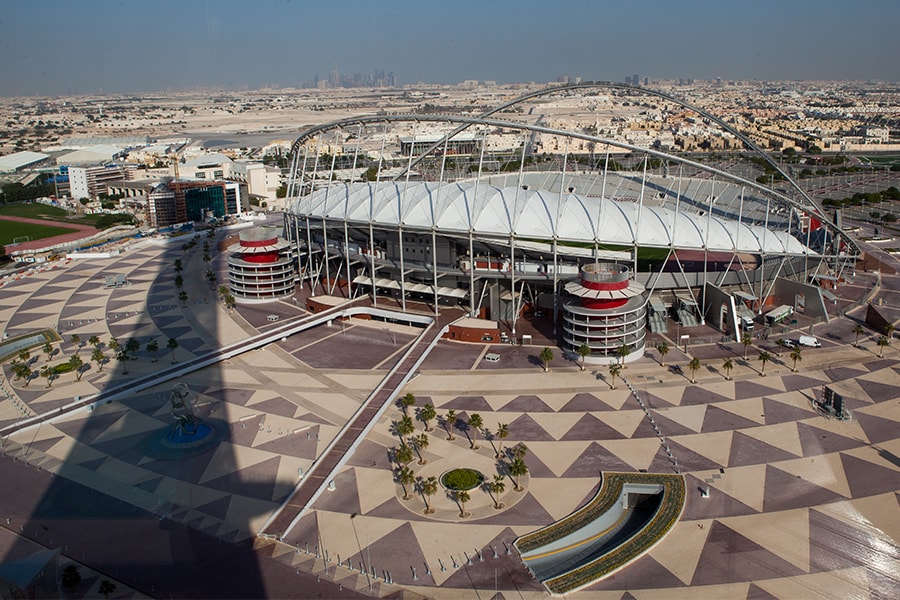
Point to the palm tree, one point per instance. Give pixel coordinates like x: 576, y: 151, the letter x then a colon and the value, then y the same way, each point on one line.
x: 48, y: 350
x: 462, y: 497
x: 70, y: 578
x: 795, y: 356
x: 497, y: 487
x: 764, y: 357
x: 663, y: 349
x: 106, y: 588
x: 857, y: 329
x: 517, y: 469
x: 450, y: 422
x: 223, y: 292
x: 519, y: 451
x: 421, y: 443
x: 889, y: 332
x: 747, y: 341
x: 113, y: 344
x: 172, y: 345
x: 502, y: 434
x: 98, y: 357
x: 183, y: 296
x: 426, y: 415
x: 22, y: 371
x: 403, y: 454
x: 727, y: 366
x: 583, y: 351
x: 47, y: 372
x: 403, y: 427
x: 76, y: 341
x: 614, y: 370
x: 178, y: 266
x: 94, y: 341
x: 475, y: 423
x: 406, y: 477
x: 131, y: 347
x: 24, y: 355
x: 882, y: 342
x: 429, y: 488
x: 546, y: 356
x: 781, y: 346
x: 179, y: 281
x: 694, y: 366
x: 122, y: 357
x: 407, y: 401
x: 623, y: 351
x: 152, y: 348
x: 76, y: 363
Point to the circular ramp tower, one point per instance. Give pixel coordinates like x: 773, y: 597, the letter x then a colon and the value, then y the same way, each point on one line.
x: 260, y: 267
x: 608, y: 311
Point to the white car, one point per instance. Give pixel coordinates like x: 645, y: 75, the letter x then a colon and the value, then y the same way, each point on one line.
x: 790, y: 343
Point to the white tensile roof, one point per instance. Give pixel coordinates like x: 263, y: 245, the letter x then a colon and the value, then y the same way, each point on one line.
x: 537, y: 214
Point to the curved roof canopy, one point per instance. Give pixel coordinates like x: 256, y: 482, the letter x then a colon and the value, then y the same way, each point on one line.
x: 499, y: 212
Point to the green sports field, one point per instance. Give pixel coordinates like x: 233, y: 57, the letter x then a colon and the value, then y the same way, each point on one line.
x: 10, y: 230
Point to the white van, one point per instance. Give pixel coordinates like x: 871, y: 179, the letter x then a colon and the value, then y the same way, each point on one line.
x: 810, y: 341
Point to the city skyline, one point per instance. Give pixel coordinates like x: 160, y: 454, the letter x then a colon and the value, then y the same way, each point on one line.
x: 57, y: 48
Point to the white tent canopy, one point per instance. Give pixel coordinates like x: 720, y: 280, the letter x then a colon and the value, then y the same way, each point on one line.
x: 456, y: 208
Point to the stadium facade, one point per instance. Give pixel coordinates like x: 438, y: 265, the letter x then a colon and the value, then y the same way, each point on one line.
x: 607, y: 254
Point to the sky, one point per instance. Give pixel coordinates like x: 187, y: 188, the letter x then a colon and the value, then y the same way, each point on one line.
x: 68, y: 47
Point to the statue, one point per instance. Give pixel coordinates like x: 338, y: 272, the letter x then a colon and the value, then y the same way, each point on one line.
x: 186, y: 422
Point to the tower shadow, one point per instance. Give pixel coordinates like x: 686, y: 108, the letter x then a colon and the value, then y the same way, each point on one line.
x: 105, y: 483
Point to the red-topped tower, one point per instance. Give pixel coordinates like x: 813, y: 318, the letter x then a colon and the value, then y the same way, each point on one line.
x: 609, y: 311
x: 260, y: 267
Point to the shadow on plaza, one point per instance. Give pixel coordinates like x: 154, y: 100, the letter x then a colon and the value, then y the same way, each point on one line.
x: 184, y: 540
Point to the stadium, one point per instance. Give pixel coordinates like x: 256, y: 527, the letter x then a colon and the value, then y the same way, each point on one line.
x: 606, y: 246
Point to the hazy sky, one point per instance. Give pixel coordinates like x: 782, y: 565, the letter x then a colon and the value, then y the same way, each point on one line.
x: 87, y: 46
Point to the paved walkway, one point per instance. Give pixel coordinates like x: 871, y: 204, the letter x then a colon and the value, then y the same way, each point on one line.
x: 799, y: 505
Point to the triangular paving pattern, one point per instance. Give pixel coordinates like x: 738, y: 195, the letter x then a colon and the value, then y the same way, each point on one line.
x: 680, y: 420
x: 594, y: 460
x: 637, y: 453
x: 654, y: 401
x: 801, y: 382
x: 526, y: 429
x: 785, y: 491
x: 255, y: 481
x: 590, y: 427
x: 785, y: 533
x: 643, y: 574
x: 728, y: 496
x: 345, y: 497
x: 746, y: 450
x: 783, y: 436
x: 878, y: 391
x: 86, y: 429
x: 150, y: 485
x: 825, y: 470
x: 729, y: 556
x: 694, y: 394
x: 868, y: 479
x: 844, y: 373
x: 394, y: 508
x: 217, y: 508
x: 780, y: 412
x: 468, y: 403
x: 710, y: 450
x: 834, y: 544
x: 527, y: 511
x: 277, y: 406
x: 717, y: 419
x: 754, y: 592
x: 877, y: 429
x: 681, y: 550
x: 817, y: 441
x: 402, y: 537
x: 744, y: 389
x: 526, y: 404
x: 584, y: 402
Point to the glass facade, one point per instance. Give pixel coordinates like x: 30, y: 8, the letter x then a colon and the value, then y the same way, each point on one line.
x: 200, y: 201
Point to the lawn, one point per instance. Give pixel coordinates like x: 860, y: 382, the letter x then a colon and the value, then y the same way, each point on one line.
x: 10, y: 230
x: 32, y: 211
